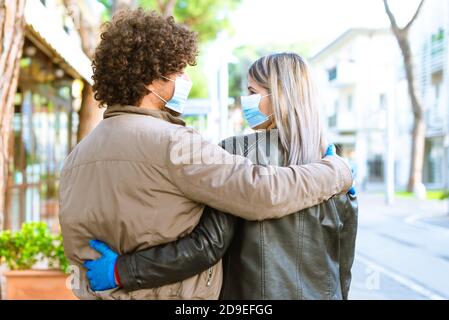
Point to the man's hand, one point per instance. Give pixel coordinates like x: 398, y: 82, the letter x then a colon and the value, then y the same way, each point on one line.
x: 100, y: 272
x: 331, y: 152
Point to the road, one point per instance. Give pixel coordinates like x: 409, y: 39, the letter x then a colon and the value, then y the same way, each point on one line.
x: 402, y: 250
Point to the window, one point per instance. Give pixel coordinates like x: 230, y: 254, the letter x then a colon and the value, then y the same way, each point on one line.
x: 437, y: 80
x: 332, y: 121
x: 376, y: 168
x: 44, y: 129
x: 332, y: 74
x: 438, y: 36
x: 333, y: 118
x: 383, y: 101
x: 434, y: 161
x: 437, y: 89
x: 350, y: 103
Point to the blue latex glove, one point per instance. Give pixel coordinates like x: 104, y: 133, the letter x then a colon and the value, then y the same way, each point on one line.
x: 331, y: 152
x: 100, y: 272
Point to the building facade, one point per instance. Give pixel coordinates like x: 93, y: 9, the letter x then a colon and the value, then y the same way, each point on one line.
x: 355, y: 81
x: 366, y: 108
x: 430, y: 42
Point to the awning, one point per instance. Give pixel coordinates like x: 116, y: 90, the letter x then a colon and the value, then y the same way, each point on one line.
x: 43, y: 25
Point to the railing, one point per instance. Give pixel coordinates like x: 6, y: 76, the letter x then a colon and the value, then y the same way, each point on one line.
x: 432, y: 58
x: 437, y: 55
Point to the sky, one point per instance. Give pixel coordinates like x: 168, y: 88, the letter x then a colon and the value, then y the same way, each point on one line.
x: 288, y: 21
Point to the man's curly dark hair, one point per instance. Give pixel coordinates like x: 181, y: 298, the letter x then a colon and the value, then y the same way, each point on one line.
x: 137, y: 47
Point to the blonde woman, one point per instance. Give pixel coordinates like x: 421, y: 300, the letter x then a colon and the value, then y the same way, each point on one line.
x: 306, y: 255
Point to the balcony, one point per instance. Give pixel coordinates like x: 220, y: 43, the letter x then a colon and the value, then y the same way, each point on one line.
x: 437, y: 55
x: 432, y: 59
x: 434, y: 119
x: 342, y: 122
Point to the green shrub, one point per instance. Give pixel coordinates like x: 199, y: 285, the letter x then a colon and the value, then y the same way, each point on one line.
x: 445, y: 195
x: 33, y: 243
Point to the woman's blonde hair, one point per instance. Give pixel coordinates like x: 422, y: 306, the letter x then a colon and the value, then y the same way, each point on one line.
x: 286, y: 76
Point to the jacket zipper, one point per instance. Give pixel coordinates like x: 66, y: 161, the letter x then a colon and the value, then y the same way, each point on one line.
x: 209, y: 277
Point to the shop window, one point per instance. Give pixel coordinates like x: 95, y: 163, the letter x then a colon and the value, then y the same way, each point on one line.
x: 44, y: 132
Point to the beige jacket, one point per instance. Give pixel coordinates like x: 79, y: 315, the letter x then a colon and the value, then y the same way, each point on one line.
x: 141, y: 178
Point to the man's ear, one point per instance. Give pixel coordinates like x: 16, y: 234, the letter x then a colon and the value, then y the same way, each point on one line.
x: 156, y: 85
x: 150, y: 87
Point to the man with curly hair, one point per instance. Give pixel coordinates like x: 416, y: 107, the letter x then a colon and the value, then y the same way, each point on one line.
x: 141, y: 178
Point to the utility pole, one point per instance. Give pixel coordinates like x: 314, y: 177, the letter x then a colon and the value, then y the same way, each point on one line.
x: 390, y: 104
x: 446, y: 100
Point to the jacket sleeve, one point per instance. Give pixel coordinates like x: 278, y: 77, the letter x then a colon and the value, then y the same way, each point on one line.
x: 206, y: 173
x: 347, y: 242
x: 181, y: 259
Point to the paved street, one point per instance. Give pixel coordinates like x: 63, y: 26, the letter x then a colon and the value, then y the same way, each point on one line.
x: 402, y: 250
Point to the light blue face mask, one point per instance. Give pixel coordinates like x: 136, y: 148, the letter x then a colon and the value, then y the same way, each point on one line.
x: 251, y: 111
x: 179, y: 100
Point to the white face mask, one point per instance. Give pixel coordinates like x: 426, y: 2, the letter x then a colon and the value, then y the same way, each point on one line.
x: 179, y: 100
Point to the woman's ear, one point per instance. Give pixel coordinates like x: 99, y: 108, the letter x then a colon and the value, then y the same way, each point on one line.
x: 272, y: 124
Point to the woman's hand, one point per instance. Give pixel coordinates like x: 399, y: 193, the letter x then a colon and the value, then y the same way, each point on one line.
x: 101, y: 272
x: 331, y: 152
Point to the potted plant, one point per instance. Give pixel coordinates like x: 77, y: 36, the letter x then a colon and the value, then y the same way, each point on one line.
x: 21, y: 251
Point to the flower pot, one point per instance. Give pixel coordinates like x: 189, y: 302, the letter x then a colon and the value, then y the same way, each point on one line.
x: 37, y: 285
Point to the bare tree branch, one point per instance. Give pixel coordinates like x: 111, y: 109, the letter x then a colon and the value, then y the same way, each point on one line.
x: 394, y: 24
x: 407, y: 27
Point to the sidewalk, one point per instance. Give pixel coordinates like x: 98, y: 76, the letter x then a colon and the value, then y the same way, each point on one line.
x: 368, y: 283
x: 402, y: 250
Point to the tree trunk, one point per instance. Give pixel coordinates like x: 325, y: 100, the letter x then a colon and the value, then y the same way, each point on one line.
x: 90, y: 113
x: 419, y: 125
x: 417, y: 160
x: 12, y: 28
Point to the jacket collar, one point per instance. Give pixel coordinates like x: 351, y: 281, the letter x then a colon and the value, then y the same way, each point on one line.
x: 117, y: 110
